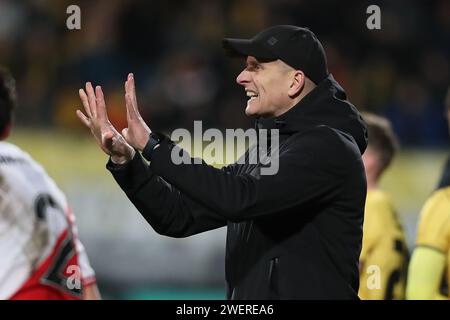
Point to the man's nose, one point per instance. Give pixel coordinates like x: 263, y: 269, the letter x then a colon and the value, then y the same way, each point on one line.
x: 243, y: 78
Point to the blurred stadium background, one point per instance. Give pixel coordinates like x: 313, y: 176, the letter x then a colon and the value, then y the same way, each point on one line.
x: 174, y: 50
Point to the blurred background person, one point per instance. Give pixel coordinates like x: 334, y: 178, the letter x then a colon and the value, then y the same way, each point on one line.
x: 384, y: 256
x: 40, y: 254
x: 429, y: 270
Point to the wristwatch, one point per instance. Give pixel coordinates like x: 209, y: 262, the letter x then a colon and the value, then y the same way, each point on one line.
x: 154, y: 140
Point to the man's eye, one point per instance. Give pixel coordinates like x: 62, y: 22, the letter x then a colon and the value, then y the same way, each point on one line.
x: 253, y: 67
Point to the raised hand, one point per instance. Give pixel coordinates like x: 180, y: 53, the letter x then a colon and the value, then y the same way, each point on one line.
x: 96, y: 119
x: 137, y: 133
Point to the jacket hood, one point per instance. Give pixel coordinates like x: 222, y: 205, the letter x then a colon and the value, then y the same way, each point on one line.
x: 327, y: 105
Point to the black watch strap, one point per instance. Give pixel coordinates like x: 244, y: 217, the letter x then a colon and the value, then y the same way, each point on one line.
x: 154, y: 140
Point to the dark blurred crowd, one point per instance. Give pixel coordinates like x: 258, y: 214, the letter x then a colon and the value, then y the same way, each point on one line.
x: 174, y: 49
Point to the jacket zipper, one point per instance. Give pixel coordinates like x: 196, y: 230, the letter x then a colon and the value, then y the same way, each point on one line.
x: 273, y: 279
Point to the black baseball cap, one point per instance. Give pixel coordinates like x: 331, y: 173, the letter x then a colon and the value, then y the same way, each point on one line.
x: 296, y: 46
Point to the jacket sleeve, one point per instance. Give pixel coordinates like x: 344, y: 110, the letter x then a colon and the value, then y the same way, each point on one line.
x: 309, y: 170
x: 165, y: 208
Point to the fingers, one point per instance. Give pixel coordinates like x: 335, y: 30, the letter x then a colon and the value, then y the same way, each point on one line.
x: 128, y: 84
x: 93, y: 102
x: 130, y: 90
x: 125, y: 134
x: 133, y: 92
x: 108, y: 135
x: 107, y: 141
x: 131, y: 115
x: 83, y: 119
x: 101, y: 106
x: 85, y: 102
x: 91, y: 99
x: 115, y: 144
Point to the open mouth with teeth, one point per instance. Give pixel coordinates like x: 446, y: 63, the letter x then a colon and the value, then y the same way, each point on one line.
x: 251, y: 94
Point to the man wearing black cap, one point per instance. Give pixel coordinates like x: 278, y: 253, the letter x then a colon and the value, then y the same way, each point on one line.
x: 295, y: 234
x: 291, y: 57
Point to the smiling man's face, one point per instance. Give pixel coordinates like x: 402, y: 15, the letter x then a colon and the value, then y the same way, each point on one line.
x: 267, y: 86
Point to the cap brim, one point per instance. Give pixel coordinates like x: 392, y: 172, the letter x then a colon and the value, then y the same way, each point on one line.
x: 244, y: 48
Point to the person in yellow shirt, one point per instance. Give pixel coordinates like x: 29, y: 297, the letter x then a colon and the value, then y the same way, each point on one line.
x: 384, y: 256
x: 429, y: 270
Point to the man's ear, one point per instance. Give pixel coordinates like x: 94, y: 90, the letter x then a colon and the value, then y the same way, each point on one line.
x: 297, y: 83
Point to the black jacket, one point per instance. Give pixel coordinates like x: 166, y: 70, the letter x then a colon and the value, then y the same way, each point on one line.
x: 293, y: 235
